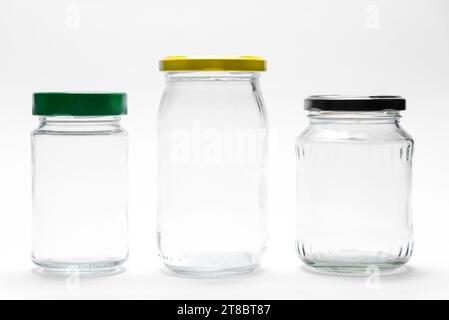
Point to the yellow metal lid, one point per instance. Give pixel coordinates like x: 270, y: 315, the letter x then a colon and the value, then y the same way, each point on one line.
x: 213, y: 63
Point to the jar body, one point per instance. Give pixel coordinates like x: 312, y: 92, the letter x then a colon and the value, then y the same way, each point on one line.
x: 80, y: 218
x: 211, y: 184
x: 354, y: 185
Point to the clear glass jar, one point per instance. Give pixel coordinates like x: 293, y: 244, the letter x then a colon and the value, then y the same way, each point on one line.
x: 79, y: 152
x: 212, y: 157
x: 354, y: 166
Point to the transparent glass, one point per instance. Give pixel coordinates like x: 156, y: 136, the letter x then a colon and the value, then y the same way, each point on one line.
x: 354, y: 172
x: 211, y: 185
x: 80, y: 221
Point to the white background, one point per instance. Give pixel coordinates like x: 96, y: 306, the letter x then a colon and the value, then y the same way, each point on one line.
x: 312, y: 47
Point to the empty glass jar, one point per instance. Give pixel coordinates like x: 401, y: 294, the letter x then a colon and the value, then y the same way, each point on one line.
x: 79, y: 183
x: 212, y: 157
x: 354, y: 166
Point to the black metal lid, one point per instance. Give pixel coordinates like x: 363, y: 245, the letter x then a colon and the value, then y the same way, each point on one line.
x: 354, y: 103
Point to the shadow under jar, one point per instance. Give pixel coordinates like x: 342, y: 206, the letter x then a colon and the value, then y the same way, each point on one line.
x: 212, y: 156
x: 80, y: 221
x: 354, y: 174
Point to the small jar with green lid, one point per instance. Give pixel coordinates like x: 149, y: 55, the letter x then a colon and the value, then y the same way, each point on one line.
x: 79, y: 155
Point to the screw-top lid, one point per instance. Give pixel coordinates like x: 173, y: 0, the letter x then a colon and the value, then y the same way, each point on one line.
x: 79, y: 104
x: 213, y: 63
x: 354, y: 103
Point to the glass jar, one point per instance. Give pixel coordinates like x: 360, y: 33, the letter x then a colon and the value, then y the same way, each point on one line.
x: 79, y: 154
x: 354, y: 166
x: 212, y: 157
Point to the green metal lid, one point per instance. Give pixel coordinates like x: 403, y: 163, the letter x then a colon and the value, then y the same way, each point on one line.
x: 79, y: 104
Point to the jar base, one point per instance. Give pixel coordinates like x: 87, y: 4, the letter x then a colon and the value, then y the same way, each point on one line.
x: 212, y: 272
x: 355, y: 267
x: 89, y: 269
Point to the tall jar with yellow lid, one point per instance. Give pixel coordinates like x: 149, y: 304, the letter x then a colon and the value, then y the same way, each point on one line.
x: 212, y: 146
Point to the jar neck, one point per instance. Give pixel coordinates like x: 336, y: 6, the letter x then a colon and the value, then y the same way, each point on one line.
x: 81, y: 120
x: 211, y: 76
x: 80, y: 124
x: 354, y: 117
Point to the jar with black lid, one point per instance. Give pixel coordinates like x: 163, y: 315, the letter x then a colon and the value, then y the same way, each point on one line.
x: 354, y: 175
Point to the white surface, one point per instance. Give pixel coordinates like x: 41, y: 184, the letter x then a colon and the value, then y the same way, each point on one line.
x: 312, y: 47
